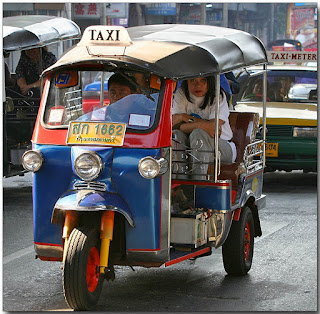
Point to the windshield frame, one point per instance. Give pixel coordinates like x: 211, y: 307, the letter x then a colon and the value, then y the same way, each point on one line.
x: 48, y: 85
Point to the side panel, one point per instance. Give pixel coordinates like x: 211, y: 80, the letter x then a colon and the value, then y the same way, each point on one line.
x: 249, y: 185
x: 213, y: 197
x: 49, y: 183
x: 149, y: 204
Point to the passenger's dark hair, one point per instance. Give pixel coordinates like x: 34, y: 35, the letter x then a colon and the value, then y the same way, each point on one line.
x: 117, y: 78
x: 43, y: 49
x: 210, y: 95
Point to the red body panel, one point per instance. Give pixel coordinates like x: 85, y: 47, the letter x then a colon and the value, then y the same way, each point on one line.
x: 160, y: 137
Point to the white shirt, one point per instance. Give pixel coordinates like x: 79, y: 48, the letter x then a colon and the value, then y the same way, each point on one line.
x: 182, y: 105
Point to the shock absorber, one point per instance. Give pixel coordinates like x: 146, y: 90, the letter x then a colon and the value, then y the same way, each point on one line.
x: 70, y: 221
x: 106, y: 234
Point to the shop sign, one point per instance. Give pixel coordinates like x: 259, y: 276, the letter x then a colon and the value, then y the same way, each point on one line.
x: 18, y: 7
x: 188, y: 13
x: 117, y: 10
x: 302, y: 17
x: 86, y: 10
x: 160, y: 9
x: 303, y: 26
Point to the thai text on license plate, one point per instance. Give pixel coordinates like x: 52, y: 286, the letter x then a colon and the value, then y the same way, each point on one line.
x: 96, y: 133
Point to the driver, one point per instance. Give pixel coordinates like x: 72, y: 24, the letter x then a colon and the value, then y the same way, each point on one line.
x: 119, y: 87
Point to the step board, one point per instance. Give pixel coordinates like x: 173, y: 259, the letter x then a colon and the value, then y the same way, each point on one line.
x: 177, y: 256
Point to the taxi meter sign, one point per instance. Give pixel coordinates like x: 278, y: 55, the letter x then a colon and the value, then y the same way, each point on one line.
x: 292, y: 56
x: 105, y: 35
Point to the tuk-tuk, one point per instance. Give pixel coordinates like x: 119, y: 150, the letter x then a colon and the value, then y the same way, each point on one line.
x: 20, y: 111
x: 108, y: 186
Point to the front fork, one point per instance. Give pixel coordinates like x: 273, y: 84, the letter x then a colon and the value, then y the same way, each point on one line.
x: 106, y: 234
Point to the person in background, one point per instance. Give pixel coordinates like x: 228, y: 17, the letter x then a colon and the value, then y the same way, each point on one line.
x: 30, y: 66
x: 234, y: 84
x: 193, y: 121
x: 9, y: 81
x: 230, y: 85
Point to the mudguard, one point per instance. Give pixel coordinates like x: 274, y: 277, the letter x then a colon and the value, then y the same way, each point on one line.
x: 91, y: 200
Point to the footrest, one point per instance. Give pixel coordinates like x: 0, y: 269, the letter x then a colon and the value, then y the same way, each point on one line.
x: 177, y: 256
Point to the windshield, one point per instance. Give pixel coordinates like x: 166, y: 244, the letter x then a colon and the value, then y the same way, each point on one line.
x: 282, y: 86
x: 127, y: 98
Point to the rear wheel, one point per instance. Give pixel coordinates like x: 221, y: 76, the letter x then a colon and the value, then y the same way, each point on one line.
x: 237, y: 251
x: 82, y: 282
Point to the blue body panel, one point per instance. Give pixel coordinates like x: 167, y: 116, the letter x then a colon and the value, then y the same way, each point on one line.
x: 49, y: 183
x: 142, y: 196
x: 213, y: 197
x: 95, y: 201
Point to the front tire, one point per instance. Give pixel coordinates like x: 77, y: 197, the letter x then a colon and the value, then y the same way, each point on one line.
x: 82, y: 281
x: 237, y: 251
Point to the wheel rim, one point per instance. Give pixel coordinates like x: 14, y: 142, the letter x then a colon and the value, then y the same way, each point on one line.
x: 93, y: 269
x: 247, y: 241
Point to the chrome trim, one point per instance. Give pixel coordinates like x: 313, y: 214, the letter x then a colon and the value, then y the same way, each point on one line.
x: 96, y: 156
x: 34, y: 151
x: 261, y: 202
x: 96, y: 208
x: 160, y: 162
x: 252, y: 150
x: 91, y: 185
x: 218, y: 227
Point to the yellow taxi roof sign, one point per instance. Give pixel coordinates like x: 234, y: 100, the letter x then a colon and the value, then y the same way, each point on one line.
x: 105, y: 35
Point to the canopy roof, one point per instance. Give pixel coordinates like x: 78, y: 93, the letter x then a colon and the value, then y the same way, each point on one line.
x: 177, y: 51
x: 30, y: 31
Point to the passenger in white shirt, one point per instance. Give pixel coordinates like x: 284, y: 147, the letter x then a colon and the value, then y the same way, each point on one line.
x: 193, y: 121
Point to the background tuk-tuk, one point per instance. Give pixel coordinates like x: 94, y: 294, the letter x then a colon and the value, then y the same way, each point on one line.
x: 20, y: 111
x: 108, y: 190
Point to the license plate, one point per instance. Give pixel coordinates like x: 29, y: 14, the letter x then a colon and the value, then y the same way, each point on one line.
x: 96, y: 133
x: 272, y: 149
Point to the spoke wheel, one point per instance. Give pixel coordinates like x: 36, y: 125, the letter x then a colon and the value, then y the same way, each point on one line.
x: 237, y: 251
x: 82, y: 282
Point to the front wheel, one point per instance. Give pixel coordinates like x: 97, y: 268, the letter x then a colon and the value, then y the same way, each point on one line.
x: 237, y: 251
x: 82, y: 282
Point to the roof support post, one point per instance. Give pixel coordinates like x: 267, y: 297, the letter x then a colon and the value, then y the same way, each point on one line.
x: 216, y: 132
x: 264, y: 111
x: 102, y: 89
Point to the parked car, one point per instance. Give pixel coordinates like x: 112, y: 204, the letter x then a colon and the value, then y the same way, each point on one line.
x: 291, y: 113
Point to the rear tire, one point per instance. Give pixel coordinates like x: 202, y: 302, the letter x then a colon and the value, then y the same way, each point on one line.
x: 82, y: 281
x: 237, y: 251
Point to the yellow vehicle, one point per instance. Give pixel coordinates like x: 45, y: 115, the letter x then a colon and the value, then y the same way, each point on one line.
x: 291, y: 113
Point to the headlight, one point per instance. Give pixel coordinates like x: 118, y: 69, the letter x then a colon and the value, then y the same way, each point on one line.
x: 32, y: 160
x: 150, y: 167
x: 305, y: 132
x: 88, y: 166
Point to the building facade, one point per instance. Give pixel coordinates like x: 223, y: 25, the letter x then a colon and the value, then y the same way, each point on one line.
x: 267, y: 21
